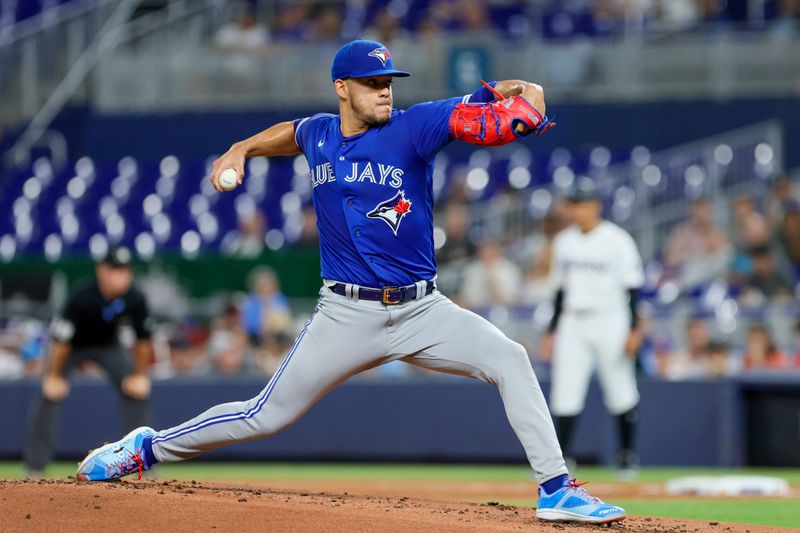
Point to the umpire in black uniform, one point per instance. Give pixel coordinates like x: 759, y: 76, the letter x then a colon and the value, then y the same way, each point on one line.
x: 88, y: 330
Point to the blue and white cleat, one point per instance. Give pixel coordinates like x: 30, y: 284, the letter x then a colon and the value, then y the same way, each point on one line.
x: 571, y: 503
x: 117, y: 459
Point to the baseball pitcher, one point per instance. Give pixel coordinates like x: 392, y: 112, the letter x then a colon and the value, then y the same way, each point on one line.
x: 371, y: 170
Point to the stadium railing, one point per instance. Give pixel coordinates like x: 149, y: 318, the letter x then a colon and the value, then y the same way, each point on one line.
x: 660, y: 183
x: 49, y: 63
x: 37, y: 53
x: 725, y: 64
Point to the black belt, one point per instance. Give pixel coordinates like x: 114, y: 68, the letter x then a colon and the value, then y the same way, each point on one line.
x: 386, y: 295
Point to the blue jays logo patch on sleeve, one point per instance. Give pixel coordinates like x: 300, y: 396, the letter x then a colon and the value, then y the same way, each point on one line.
x: 392, y: 211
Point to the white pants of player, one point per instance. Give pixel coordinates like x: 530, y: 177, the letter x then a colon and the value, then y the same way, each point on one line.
x: 586, y: 341
x: 346, y: 336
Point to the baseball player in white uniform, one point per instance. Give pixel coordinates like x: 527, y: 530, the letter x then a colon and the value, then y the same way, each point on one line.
x: 597, y: 271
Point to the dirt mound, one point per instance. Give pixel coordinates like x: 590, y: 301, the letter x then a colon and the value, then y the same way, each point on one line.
x: 178, y: 506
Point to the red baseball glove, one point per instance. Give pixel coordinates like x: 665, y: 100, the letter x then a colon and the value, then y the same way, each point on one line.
x: 495, y: 123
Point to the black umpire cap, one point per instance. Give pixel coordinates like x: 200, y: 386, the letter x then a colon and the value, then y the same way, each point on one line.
x: 583, y: 190
x: 117, y: 257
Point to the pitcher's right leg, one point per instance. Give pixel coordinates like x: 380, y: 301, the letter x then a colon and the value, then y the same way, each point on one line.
x: 341, y: 339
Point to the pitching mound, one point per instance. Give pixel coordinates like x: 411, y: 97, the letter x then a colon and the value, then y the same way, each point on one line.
x: 174, y: 506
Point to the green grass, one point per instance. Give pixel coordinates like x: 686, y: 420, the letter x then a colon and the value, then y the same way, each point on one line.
x: 203, y: 470
x: 764, y: 511
x: 663, y: 474
x: 339, y: 471
x: 756, y: 511
x: 768, y: 512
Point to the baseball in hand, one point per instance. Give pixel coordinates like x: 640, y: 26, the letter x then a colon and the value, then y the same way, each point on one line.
x: 228, y: 179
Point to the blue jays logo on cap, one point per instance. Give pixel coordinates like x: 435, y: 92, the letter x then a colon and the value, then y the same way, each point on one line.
x: 392, y: 211
x: 382, y: 54
x: 360, y: 58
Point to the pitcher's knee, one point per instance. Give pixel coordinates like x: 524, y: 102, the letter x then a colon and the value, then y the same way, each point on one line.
x: 517, y: 355
x: 512, y: 360
x: 272, y: 422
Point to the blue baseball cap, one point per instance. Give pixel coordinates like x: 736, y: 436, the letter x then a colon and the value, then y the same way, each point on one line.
x: 361, y: 59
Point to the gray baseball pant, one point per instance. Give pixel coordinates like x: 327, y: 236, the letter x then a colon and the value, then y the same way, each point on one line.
x: 346, y: 336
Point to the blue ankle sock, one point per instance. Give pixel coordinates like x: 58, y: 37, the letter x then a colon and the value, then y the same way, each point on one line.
x: 552, y: 485
x: 147, y: 446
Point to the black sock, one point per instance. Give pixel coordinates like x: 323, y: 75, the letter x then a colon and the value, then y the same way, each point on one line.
x: 627, y: 427
x: 566, y: 427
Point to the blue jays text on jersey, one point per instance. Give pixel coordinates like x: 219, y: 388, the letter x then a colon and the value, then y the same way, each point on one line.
x: 373, y: 192
x: 380, y: 174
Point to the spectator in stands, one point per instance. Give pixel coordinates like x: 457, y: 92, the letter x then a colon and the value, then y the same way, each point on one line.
x: 786, y: 24
x: 187, y: 347
x: 656, y: 352
x: 690, y: 363
x: 227, y: 346
x: 244, y: 35
x: 760, y: 352
x: 266, y: 318
x: 386, y: 28
x: 749, y: 232
x: 326, y: 25
x: 250, y: 239
x: 460, y: 15
x: 764, y: 279
x: 608, y: 17
x: 696, y: 251
x: 750, y: 228
x: 33, y: 346
x: 457, y: 246
x: 538, y: 286
x: 12, y: 338
x: 796, y: 338
x: 165, y: 296
x: 788, y: 233
x: 526, y: 251
x: 457, y: 250
x: 441, y: 13
x: 719, y: 363
x: 11, y: 367
x: 676, y: 15
x: 429, y: 33
x: 491, y: 279
x: 782, y: 194
x: 309, y: 235
x: 473, y: 16
x: 291, y: 22
x: 22, y: 346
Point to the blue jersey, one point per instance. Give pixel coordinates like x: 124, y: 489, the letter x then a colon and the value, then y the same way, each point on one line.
x: 373, y: 192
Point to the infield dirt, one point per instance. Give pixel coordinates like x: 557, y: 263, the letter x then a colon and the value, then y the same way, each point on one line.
x: 181, y: 506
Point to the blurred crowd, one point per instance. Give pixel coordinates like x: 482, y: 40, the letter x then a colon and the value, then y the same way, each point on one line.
x: 250, y: 337
x: 391, y: 22
x: 702, y: 354
x: 728, y: 276
x: 690, y: 332
x: 335, y: 19
x: 756, y: 255
x: 249, y: 334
